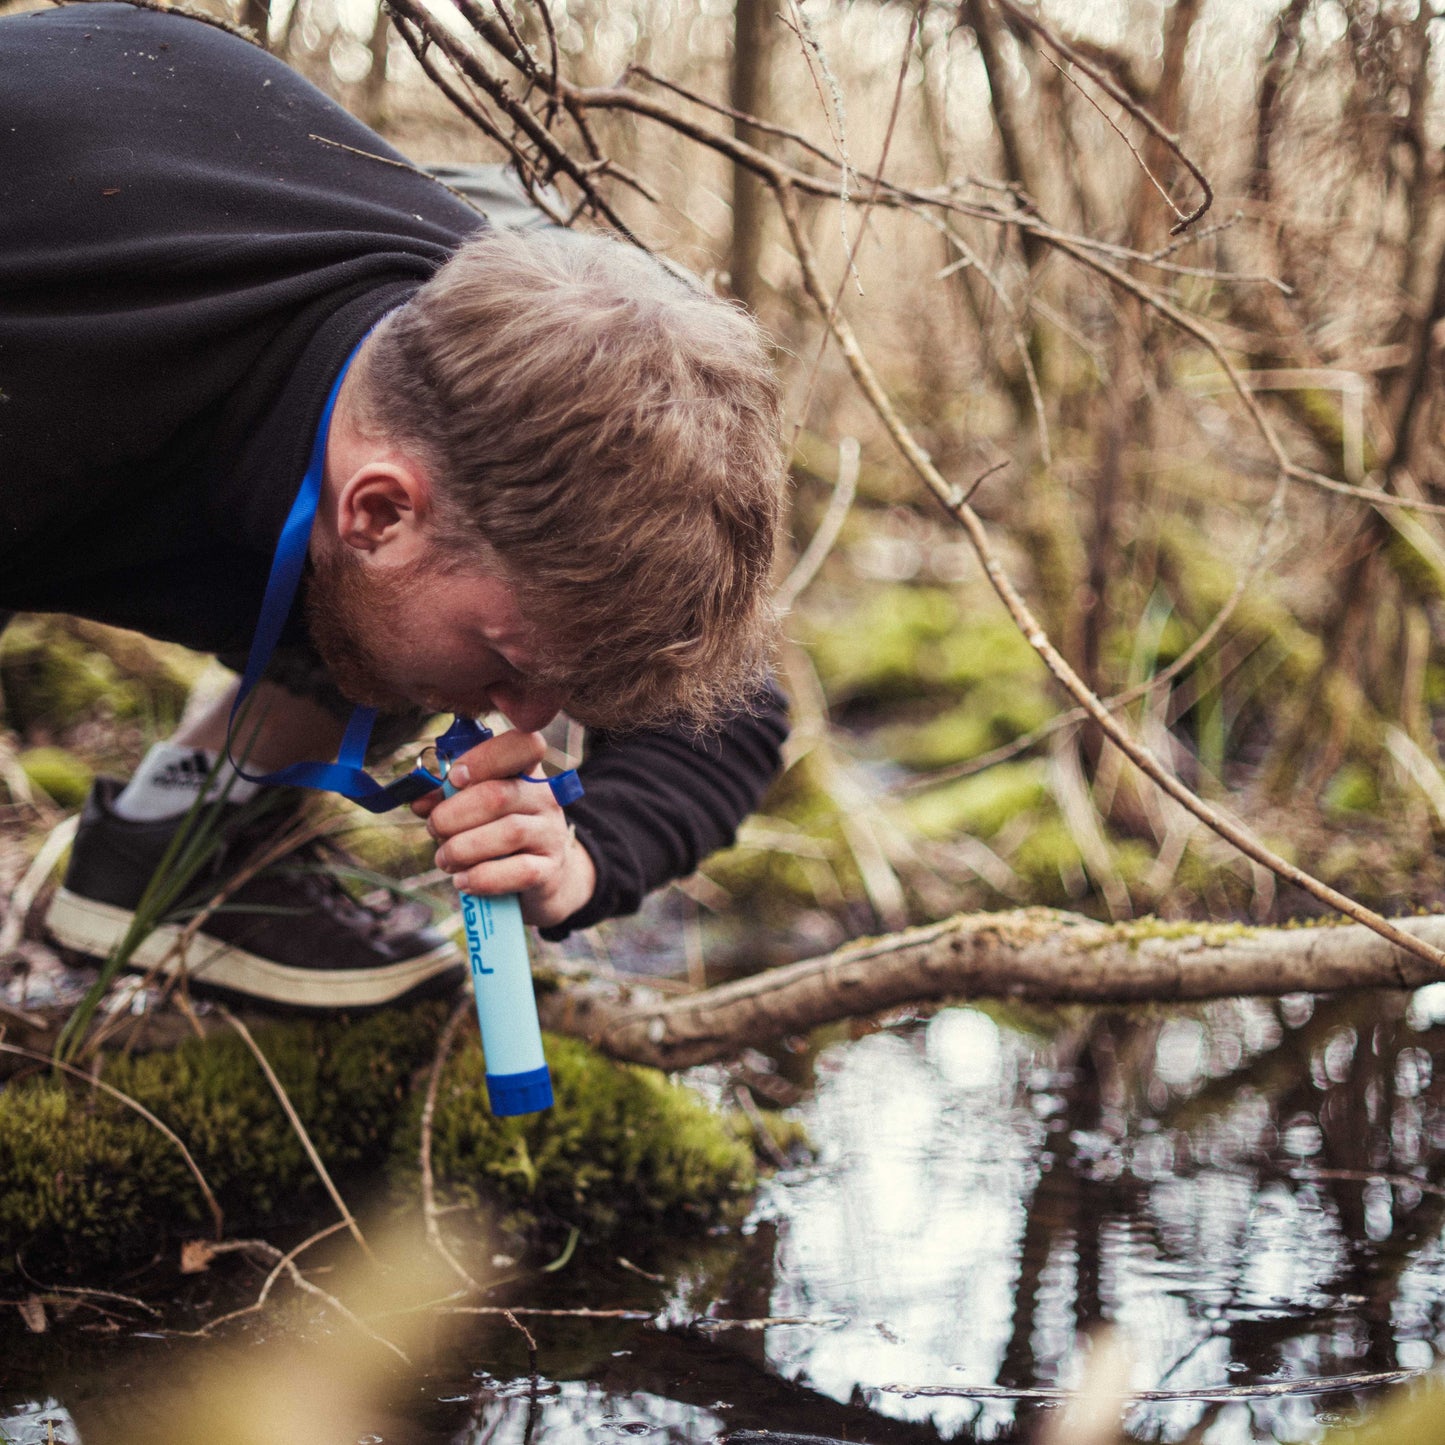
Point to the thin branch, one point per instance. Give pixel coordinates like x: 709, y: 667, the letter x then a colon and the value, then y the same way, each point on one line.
x: 1118, y: 131
x: 1106, y: 82
x: 139, y: 1108
x: 391, y: 161
x: 506, y: 1312
x: 1265, y: 1390
x: 1019, y: 610
x: 822, y: 540
x: 286, y: 1264
x: 428, y: 1180
x: 290, y: 1110
x: 468, y: 65
x: 241, y: 32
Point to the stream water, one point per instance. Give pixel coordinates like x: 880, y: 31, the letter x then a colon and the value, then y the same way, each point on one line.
x: 1245, y: 1192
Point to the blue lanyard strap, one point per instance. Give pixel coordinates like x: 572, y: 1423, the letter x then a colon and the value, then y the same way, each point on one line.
x: 346, y: 775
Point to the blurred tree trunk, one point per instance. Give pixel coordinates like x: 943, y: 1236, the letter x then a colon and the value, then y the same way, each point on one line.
x: 373, y: 94
x: 1017, y: 160
x: 1316, y: 736
x: 1283, y: 53
x: 1166, y: 103
x: 749, y: 92
x: 1127, y: 414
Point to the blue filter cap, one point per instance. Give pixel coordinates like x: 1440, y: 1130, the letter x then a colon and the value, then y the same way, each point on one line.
x: 566, y: 787
x: 527, y: 1093
x: 461, y: 737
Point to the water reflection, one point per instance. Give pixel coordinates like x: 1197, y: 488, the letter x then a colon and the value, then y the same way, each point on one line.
x: 578, y: 1410
x: 40, y: 1422
x: 1244, y: 1190
x: 1247, y: 1191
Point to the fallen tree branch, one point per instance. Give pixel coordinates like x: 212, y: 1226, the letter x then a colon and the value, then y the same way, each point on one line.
x: 1035, y: 953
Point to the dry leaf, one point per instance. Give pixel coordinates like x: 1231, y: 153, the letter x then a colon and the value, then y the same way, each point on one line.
x: 196, y: 1256
x: 32, y: 1311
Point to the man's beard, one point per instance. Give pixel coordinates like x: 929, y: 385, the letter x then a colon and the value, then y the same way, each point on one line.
x: 346, y: 610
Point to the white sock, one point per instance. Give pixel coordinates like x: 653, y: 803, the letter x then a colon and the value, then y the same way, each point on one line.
x: 169, y: 780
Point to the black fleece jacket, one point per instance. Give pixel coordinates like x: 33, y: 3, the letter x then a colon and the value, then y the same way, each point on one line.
x: 192, y: 240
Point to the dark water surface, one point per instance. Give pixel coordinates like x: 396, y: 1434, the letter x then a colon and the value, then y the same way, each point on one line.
x: 1249, y: 1193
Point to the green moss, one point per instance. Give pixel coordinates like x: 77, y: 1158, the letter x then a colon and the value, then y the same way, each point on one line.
x: 1353, y: 789
x: 1146, y: 930
x: 124, y: 1185
x: 1415, y: 557
x: 1206, y: 584
x: 977, y: 653
x: 993, y: 712
x: 620, y: 1144
x: 59, y: 774
x: 1134, y: 861
x: 395, y: 849
x: 86, y: 1184
x: 874, y: 650
x: 775, y: 881
x: 981, y: 804
x: 50, y: 679
x: 904, y: 642
x: 1045, y: 859
x: 952, y: 737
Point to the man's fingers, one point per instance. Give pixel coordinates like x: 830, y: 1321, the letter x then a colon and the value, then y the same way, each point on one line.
x: 484, y: 803
x: 504, y: 756
x: 517, y: 874
x: 424, y: 806
x: 514, y: 833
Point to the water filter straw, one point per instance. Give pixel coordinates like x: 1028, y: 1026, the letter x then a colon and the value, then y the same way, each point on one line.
x: 517, y: 1078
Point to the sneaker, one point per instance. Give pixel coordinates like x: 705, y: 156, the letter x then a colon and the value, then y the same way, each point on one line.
x: 292, y: 935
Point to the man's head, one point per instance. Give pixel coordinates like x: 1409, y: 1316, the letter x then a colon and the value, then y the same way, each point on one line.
x: 596, y: 435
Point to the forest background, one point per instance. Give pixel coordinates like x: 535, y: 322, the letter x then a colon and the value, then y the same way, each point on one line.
x: 1138, y: 310
x: 1112, y: 341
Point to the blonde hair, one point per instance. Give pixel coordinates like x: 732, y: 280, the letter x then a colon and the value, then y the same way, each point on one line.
x: 610, y: 433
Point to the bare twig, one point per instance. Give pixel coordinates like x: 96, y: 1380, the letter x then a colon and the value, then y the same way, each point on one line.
x: 1023, y: 616
x: 1106, y: 82
x: 286, y: 1264
x: 139, y: 1108
x: 348, y: 1219
x: 428, y: 1179
x: 821, y: 542
x: 1265, y: 1390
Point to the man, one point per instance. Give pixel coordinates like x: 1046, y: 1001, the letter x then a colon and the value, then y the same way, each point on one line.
x: 545, y: 474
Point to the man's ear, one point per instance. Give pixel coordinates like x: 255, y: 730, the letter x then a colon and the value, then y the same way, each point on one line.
x: 382, y: 508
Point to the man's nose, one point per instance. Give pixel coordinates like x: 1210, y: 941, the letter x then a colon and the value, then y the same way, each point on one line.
x: 528, y: 708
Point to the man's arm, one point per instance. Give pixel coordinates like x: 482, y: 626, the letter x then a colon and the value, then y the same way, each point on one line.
x: 658, y: 803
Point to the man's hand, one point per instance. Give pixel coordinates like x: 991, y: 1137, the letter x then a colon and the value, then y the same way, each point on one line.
x: 499, y: 834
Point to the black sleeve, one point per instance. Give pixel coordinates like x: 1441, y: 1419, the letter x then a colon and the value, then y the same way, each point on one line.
x: 657, y: 803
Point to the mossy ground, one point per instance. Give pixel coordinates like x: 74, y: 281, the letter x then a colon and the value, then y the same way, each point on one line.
x: 87, y: 1185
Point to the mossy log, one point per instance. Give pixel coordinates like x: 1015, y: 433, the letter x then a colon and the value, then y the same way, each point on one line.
x: 87, y: 1184
x: 1035, y: 953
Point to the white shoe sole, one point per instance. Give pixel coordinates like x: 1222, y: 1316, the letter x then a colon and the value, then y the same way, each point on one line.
x: 96, y: 928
